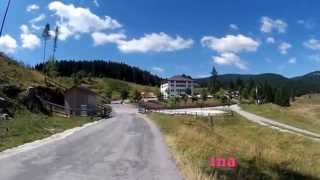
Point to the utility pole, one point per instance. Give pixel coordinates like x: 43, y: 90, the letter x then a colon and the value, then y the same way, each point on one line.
x: 4, y: 18
x: 257, y: 98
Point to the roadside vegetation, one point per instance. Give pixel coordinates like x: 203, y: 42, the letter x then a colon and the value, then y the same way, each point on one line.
x: 27, y: 127
x: 304, y: 112
x: 107, y: 87
x: 261, y: 152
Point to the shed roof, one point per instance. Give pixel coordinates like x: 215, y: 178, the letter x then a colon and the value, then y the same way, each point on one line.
x: 80, y: 88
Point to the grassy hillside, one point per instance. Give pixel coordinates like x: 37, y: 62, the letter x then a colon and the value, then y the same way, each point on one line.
x: 25, y: 126
x: 12, y: 73
x: 303, y: 113
x: 103, y: 85
x: 261, y: 152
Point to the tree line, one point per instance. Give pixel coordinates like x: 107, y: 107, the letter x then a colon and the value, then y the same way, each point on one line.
x: 254, y: 91
x: 99, y: 68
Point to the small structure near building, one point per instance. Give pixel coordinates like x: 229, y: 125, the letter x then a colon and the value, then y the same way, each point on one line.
x: 80, y: 101
x: 177, y: 86
x: 148, y: 96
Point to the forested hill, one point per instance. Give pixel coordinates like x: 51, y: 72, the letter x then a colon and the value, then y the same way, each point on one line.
x: 101, y: 68
x: 309, y: 83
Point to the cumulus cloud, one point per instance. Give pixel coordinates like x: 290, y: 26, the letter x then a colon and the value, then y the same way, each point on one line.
x: 74, y: 21
x: 233, y: 27
x: 100, y: 38
x: 230, y: 43
x: 155, y: 42
x: 32, y: 7
x: 36, y: 20
x: 284, y: 47
x: 28, y: 39
x: 270, y: 40
x: 312, y: 43
x: 228, y: 48
x: 8, y: 44
x: 292, y: 60
x: 230, y: 59
x: 268, y: 25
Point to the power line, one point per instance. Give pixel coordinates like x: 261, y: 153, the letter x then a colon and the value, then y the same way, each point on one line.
x: 4, y: 18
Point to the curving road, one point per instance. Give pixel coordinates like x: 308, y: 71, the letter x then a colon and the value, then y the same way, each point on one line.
x: 125, y: 147
x: 275, y: 125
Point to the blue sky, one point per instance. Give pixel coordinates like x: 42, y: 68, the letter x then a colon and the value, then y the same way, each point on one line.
x: 172, y: 37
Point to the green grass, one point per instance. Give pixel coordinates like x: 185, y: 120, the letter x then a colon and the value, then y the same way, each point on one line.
x: 262, y: 153
x: 303, y: 113
x: 101, y: 85
x: 28, y: 127
x: 11, y: 72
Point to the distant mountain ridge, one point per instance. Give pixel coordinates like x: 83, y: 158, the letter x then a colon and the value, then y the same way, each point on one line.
x: 308, y: 83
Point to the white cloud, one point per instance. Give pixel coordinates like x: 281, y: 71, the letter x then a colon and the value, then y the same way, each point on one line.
x: 32, y: 7
x: 96, y: 3
x: 268, y: 25
x: 158, y: 69
x: 270, y: 40
x: 155, y: 42
x: 35, y: 20
x: 77, y: 20
x: 230, y: 43
x: 284, y: 47
x: 292, y: 60
x: 233, y: 27
x: 228, y: 48
x: 100, y: 38
x: 29, y: 40
x: 312, y: 43
x: 38, y: 18
x: 230, y: 59
x: 8, y: 44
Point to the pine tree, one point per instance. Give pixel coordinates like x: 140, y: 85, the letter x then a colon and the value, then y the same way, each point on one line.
x: 45, y: 36
x: 231, y: 85
x: 204, y: 94
x: 55, y: 41
x: 51, y: 68
x: 239, y: 84
x: 214, y: 84
x: 282, y: 97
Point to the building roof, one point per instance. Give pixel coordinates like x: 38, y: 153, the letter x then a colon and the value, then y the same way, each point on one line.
x: 80, y: 88
x: 180, y: 78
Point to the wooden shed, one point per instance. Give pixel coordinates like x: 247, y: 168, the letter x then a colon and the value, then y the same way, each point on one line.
x: 80, y: 101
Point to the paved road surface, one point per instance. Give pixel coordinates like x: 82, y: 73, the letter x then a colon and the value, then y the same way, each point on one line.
x: 125, y: 147
x: 274, y: 124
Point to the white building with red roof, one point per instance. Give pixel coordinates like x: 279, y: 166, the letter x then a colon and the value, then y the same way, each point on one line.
x: 177, y: 86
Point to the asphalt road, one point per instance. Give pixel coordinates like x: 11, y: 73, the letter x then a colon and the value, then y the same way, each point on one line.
x: 125, y: 147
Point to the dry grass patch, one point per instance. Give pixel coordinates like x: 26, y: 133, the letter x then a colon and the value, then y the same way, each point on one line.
x: 262, y: 153
x: 303, y: 113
